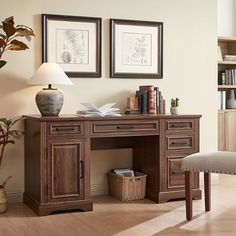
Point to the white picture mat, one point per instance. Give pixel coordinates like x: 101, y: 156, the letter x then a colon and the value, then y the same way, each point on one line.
x: 152, y: 52
x: 54, y: 25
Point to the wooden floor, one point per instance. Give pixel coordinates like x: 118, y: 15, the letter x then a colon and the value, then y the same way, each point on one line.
x: 144, y: 218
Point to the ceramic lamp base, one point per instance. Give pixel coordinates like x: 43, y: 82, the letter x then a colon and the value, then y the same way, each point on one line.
x: 49, y: 102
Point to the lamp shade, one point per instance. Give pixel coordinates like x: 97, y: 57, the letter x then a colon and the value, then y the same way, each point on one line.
x: 49, y: 100
x: 49, y: 73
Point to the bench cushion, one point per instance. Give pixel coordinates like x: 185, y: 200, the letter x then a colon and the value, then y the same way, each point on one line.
x: 213, y: 162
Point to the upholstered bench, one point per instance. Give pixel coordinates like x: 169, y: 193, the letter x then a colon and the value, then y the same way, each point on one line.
x: 213, y: 162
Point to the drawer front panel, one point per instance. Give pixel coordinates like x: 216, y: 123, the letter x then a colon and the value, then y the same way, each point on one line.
x: 122, y: 127
x: 180, y: 142
x: 64, y: 128
x: 179, y: 125
x: 175, y: 176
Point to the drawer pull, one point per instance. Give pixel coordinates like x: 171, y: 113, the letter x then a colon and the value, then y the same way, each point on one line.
x: 179, y: 143
x: 62, y: 129
x: 177, y: 172
x: 181, y: 125
x: 124, y: 127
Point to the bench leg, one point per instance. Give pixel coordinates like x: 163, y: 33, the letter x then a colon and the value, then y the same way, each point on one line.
x: 207, y: 189
x: 188, y: 195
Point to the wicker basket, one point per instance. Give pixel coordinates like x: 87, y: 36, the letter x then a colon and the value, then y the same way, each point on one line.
x: 3, y: 200
x: 127, y: 188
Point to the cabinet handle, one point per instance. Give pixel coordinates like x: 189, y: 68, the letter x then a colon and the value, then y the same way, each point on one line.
x: 181, y: 125
x: 124, y: 127
x: 82, y: 169
x: 177, y: 172
x: 62, y: 129
x: 179, y: 143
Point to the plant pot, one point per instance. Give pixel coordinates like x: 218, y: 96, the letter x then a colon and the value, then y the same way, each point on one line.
x: 3, y: 200
x: 174, y: 110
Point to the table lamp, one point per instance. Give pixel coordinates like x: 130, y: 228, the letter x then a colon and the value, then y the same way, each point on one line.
x: 49, y: 100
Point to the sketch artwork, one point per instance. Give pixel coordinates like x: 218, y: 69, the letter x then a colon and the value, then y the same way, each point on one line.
x: 72, y: 46
x: 136, y: 49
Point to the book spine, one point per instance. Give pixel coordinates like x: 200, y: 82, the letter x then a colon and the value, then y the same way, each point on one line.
x: 144, y: 102
x: 146, y: 87
x: 164, y: 106
x: 157, y: 99
x: 152, y: 109
x: 161, y: 104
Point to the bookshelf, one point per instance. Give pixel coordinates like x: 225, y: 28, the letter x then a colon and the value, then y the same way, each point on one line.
x: 226, y: 117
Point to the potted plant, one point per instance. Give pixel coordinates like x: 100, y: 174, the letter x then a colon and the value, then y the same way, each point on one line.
x: 174, y: 109
x: 8, y: 37
x: 7, y: 136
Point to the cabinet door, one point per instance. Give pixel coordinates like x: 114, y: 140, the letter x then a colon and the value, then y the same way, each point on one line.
x: 230, y: 127
x: 65, y: 170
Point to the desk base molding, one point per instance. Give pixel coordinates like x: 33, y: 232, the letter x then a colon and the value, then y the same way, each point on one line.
x: 167, y: 196
x: 48, y: 208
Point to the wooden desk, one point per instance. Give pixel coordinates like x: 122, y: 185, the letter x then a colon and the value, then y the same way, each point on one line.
x: 58, y: 149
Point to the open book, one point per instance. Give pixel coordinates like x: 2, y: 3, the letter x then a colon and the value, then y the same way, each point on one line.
x: 105, y: 110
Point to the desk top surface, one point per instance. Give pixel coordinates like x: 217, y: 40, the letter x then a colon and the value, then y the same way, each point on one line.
x: 122, y: 117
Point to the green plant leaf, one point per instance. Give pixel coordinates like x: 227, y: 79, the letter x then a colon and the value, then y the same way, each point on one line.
x: 2, y: 63
x: 17, y: 45
x: 9, y: 122
x: 16, y: 133
x: 4, y: 121
x: 8, y: 28
x: 2, y: 43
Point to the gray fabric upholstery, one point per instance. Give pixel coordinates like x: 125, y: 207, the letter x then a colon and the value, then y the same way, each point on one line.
x: 213, y: 162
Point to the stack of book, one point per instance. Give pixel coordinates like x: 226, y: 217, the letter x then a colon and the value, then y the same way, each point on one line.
x: 227, y: 77
x: 229, y: 57
x: 147, y: 100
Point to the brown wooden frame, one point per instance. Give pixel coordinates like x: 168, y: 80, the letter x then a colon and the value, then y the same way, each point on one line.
x: 113, y: 72
x: 96, y: 20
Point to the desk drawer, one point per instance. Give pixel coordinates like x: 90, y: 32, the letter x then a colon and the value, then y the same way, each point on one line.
x: 175, y: 176
x: 185, y: 142
x: 129, y: 127
x: 179, y: 125
x: 65, y: 128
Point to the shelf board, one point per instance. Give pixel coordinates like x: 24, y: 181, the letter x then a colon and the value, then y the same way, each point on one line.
x: 226, y: 39
x: 226, y: 62
x: 226, y: 110
x: 226, y: 86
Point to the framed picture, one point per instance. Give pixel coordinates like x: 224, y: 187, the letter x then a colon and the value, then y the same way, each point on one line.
x: 136, y: 49
x: 74, y: 42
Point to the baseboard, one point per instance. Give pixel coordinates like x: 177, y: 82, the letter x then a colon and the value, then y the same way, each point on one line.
x: 99, y: 189
x: 96, y: 189
x: 14, y: 197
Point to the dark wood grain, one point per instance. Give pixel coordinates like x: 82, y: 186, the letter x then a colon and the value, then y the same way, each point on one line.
x: 207, y: 190
x: 58, y: 150
x: 189, y: 195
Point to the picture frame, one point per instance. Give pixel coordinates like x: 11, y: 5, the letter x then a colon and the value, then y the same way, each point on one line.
x: 136, y: 49
x: 74, y: 42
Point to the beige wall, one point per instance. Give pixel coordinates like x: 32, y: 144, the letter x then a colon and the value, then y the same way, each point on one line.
x: 190, y: 31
